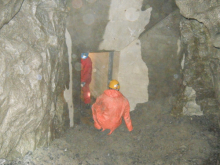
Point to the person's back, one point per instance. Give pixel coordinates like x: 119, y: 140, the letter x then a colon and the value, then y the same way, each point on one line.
x: 109, y: 109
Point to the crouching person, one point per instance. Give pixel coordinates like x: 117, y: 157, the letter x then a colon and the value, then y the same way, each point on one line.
x: 110, y: 108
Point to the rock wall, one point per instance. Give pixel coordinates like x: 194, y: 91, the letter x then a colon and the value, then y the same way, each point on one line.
x: 126, y: 23
x: 8, y: 10
x: 160, y: 52
x: 97, y: 25
x: 34, y: 72
x: 200, y: 55
x: 206, y: 12
x: 161, y: 9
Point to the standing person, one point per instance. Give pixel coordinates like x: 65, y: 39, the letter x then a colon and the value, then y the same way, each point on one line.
x: 86, y: 74
x: 109, y: 109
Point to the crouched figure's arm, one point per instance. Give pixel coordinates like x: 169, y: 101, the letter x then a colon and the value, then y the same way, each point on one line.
x: 127, y: 117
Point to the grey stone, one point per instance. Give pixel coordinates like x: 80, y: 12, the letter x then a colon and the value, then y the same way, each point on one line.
x: 8, y: 9
x: 34, y: 73
x: 200, y: 51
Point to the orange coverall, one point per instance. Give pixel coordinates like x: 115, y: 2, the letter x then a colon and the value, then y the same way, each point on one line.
x: 109, y: 109
x: 86, y: 74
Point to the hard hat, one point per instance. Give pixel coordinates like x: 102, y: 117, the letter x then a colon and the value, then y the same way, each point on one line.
x: 84, y: 55
x: 114, y: 84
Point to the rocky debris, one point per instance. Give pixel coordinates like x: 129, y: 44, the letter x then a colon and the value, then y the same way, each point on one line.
x: 158, y: 139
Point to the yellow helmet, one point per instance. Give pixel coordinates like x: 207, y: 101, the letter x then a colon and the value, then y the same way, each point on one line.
x: 114, y: 84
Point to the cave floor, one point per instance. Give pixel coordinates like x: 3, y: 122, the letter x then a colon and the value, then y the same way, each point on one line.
x: 157, y: 139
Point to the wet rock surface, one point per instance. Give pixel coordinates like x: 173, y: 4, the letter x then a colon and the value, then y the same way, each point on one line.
x: 200, y: 65
x: 200, y: 53
x: 203, y: 11
x: 34, y: 71
x: 157, y: 139
x: 8, y: 9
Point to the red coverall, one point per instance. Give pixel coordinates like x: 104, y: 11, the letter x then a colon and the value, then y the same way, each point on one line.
x: 86, y: 74
x: 109, y: 109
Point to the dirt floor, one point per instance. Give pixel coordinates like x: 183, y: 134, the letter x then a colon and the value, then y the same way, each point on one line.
x: 157, y: 139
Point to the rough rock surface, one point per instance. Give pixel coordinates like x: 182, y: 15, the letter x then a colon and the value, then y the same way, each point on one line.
x: 204, y: 11
x: 200, y: 57
x: 34, y: 71
x: 159, y: 50
x: 157, y: 139
x: 8, y: 9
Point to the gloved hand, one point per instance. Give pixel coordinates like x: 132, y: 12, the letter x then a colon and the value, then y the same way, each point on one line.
x: 83, y: 84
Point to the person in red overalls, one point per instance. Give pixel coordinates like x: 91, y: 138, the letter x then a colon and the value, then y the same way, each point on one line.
x: 86, y: 74
x: 109, y: 109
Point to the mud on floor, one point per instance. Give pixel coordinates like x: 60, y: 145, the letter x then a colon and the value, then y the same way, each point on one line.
x: 157, y: 139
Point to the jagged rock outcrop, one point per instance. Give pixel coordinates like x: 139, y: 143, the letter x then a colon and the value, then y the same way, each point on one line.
x: 34, y: 72
x: 204, y: 11
x: 8, y: 9
x: 200, y: 53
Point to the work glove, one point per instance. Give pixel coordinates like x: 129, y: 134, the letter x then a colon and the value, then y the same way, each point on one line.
x: 83, y: 84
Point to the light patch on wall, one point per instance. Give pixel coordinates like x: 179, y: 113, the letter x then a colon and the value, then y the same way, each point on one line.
x: 52, y: 40
x: 183, y: 61
x: 77, y: 4
x: 126, y: 23
x: 178, y: 46
x: 132, y: 14
x: 39, y: 77
x: 133, y: 74
x: 68, y: 92
x: 191, y: 108
x: 178, y: 52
